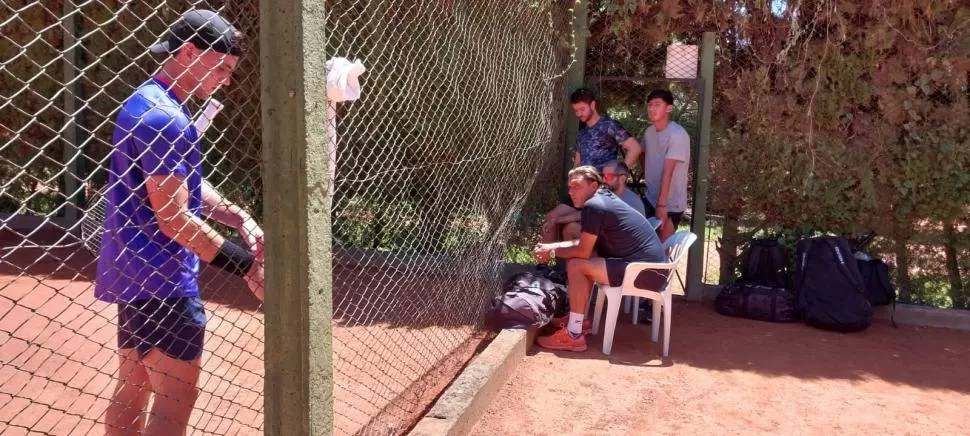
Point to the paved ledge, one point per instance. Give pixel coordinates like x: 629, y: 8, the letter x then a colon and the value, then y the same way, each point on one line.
x: 464, y: 402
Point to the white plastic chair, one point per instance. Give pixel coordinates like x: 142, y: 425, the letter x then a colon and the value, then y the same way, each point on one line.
x: 676, y: 248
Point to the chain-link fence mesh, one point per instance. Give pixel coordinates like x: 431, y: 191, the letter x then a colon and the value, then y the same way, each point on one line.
x: 66, y: 69
x: 435, y: 161
x: 445, y: 164
x: 623, y: 74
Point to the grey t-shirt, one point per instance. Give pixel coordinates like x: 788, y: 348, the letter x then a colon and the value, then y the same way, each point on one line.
x: 622, y: 232
x: 672, y: 143
x: 633, y: 199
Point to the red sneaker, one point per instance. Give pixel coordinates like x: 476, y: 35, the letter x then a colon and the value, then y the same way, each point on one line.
x: 562, y: 321
x: 562, y: 340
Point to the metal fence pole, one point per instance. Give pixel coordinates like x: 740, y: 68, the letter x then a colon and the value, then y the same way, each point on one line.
x: 70, y: 155
x: 575, y: 79
x: 299, y: 371
x: 695, y: 260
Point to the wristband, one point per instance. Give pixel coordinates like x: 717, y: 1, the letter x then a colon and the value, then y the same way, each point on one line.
x: 233, y: 258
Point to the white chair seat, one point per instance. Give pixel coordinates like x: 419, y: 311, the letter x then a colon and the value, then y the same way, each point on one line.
x: 676, y: 248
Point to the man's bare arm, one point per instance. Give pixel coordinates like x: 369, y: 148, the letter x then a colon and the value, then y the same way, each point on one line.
x: 169, y: 197
x: 217, y: 207
x: 632, y: 151
x: 581, y: 250
x: 576, y: 159
x: 669, y: 165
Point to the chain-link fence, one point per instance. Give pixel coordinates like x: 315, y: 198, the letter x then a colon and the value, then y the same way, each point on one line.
x: 434, y: 164
x: 623, y: 74
x: 66, y: 70
x: 443, y: 167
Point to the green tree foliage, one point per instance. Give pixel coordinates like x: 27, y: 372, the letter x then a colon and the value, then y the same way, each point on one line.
x: 833, y: 116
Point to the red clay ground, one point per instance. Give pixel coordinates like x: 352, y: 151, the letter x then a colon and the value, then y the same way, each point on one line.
x: 392, y: 355
x: 735, y: 376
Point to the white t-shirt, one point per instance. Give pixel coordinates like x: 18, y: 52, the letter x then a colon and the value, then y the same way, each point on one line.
x: 672, y: 143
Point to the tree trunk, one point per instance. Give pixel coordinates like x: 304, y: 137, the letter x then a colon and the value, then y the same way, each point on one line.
x: 957, y: 295
x: 903, y: 282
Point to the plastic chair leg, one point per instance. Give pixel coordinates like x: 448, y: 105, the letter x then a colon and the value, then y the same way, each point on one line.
x: 598, y: 312
x: 667, y: 322
x: 655, y: 323
x: 612, y: 313
x: 636, y: 310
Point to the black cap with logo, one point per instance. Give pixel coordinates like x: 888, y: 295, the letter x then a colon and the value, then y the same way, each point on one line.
x: 203, y: 28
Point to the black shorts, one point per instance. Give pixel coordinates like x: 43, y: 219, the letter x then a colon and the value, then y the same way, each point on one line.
x: 175, y: 326
x: 648, y: 279
x: 675, y: 217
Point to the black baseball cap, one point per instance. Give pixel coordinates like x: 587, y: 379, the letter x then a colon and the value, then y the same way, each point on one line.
x: 203, y: 28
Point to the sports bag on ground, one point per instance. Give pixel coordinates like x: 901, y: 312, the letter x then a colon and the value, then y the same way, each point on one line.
x: 765, y: 263
x: 831, y: 292
x: 528, y: 299
x: 757, y: 301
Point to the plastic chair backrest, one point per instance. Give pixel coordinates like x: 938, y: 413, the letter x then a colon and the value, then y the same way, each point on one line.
x: 677, y: 245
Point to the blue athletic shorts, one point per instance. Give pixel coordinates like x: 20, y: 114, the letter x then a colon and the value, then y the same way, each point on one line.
x: 175, y: 326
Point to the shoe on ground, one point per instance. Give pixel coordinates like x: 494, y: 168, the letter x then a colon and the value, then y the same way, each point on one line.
x: 561, y: 323
x: 561, y: 340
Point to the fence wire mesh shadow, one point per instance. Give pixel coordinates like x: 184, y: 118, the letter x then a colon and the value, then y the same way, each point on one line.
x: 66, y: 68
x: 435, y: 161
x: 441, y: 165
x: 624, y: 75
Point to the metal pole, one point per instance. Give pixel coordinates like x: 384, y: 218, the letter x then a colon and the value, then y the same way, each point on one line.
x: 698, y: 224
x: 575, y: 79
x: 298, y: 307
x: 71, y: 150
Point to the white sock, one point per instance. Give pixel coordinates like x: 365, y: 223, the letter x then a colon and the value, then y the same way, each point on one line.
x: 575, y: 324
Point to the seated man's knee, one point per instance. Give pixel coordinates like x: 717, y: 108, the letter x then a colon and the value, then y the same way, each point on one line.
x: 571, y: 231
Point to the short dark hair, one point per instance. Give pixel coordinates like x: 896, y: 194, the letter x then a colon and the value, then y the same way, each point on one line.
x: 662, y: 94
x: 582, y: 95
x: 619, y: 165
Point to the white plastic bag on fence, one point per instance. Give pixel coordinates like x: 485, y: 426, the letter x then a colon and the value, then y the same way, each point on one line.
x: 343, y: 84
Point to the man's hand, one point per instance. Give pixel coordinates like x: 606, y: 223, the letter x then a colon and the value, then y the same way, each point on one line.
x: 253, y: 236
x: 256, y: 277
x: 542, y: 254
x: 661, y: 213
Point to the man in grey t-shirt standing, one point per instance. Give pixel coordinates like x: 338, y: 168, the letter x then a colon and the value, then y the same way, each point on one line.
x: 666, y: 158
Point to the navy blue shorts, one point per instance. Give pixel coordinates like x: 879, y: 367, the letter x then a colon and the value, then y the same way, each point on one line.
x: 647, y: 279
x: 175, y: 326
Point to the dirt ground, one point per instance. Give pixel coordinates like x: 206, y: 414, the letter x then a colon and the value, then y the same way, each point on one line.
x: 58, y: 347
x: 736, y: 376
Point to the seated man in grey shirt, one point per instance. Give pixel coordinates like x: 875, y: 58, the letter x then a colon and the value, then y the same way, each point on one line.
x: 618, y: 234
x: 615, y: 174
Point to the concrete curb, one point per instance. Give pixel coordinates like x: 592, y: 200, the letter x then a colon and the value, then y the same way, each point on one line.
x: 464, y: 402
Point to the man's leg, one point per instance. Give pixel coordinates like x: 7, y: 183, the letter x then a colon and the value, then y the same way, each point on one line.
x: 571, y: 231
x: 581, y: 273
x: 175, y: 363
x: 174, y: 383
x: 126, y: 411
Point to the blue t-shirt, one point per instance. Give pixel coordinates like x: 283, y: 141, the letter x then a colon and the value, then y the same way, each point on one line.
x: 600, y: 144
x: 154, y: 135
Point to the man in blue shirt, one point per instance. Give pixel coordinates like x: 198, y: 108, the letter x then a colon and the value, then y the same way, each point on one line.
x: 600, y: 137
x: 155, y: 235
x: 618, y: 234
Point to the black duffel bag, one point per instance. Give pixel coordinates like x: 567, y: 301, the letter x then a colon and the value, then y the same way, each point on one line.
x: 757, y: 301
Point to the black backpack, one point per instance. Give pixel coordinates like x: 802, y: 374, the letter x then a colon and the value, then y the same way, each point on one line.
x: 831, y: 292
x: 755, y: 301
x: 765, y: 263
x: 528, y: 299
x: 761, y: 293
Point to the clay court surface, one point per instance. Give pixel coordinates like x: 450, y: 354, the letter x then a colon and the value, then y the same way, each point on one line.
x: 57, y: 348
x: 735, y: 376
